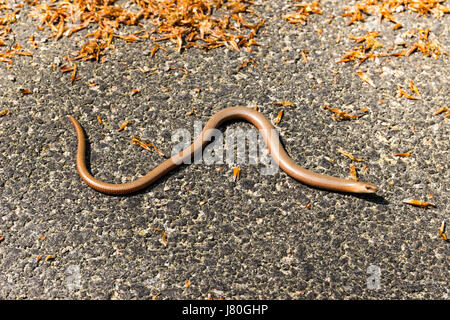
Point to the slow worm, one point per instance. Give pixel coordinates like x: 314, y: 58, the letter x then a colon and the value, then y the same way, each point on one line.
x: 268, y: 133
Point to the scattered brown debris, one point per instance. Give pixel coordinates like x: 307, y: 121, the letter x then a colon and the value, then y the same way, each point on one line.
x: 124, y: 125
x: 49, y: 258
x: 236, y: 173
x: 146, y: 146
x: 419, y: 203
x: 70, y: 68
x: 403, y: 154
x: 403, y: 93
x: 423, y: 44
x: 345, y: 153
x: 386, y: 9
x: 74, y: 77
x: 157, y: 150
x: 364, y: 77
x: 340, y: 115
x: 278, y: 117
x: 304, y: 54
x: 414, y: 88
x: 7, y: 17
x: 25, y: 91
x: 163, y: 234
x: 368, y: 44
x: 284, y: 103
x: 302, y: 13
x: 442, y: 231
x: 246, y: 63
x: 137, y: 141
x: 32, y: 42
x: 353, y: 174
x: 187, y: 23
x: 193, y: 111
x: 443, y: 109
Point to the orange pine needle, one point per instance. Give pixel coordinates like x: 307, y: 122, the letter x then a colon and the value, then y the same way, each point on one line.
x: 123, y: 126
x: 284, y: 103
x: 278, y: 118
x: 345, y: 153
x: 353, y: 174
x: 441, y: 110
x: 442, y: 231
x: 402, y: 154
x: 157, y: 150
x: 364, y: 77
x: 236, y: 173
x: 414, y: 88
x: 419, y: 203
x: 340, y: 115
x: 403, y: 93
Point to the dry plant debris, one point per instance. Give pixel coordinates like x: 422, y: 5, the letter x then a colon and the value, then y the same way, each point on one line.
x: 188, y: 23
x: 236, y: 173
x: 386, y: 9
x: 302, y: 13
x: 419, y: 203
x: 442, y: 231
x: 278, y: 117
x: 340, y: 115
x: 202, y: 23
x: 403, y: 154
x: 146, y: 146
x: 441, y: 110
x: 347, y: 154
x: 423, y: 44
x: 124, y: 125
x: 403, y: 93
x: 353, y: 174
x: 284, y: 103
x: 369, y: 44
x: 246, y: 63
x: 163, y: 235
x: 8, y: 17
x: 364, y: 77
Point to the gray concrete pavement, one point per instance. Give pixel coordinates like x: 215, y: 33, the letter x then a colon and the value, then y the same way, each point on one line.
x: 197, y: 233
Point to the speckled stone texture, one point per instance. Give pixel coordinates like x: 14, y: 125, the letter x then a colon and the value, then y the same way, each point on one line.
x: 246, y: 239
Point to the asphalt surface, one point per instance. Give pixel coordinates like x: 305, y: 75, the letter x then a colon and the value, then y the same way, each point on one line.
x: 197, y: 233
